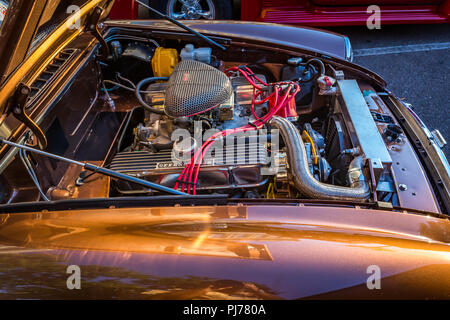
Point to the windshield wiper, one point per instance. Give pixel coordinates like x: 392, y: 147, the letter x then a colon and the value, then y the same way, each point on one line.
x: 179, y: 24
x: 101, y: 170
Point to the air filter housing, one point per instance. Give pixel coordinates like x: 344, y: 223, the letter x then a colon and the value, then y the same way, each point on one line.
x: 195, y: 87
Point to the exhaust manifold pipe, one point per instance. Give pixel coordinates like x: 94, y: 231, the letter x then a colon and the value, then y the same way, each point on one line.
x: 303, y: 180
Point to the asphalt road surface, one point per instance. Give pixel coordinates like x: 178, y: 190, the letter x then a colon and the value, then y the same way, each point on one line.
x: 415, y: 62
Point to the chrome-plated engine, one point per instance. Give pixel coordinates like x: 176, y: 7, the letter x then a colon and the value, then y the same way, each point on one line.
x: 328, y: 158
x: 164, y: 144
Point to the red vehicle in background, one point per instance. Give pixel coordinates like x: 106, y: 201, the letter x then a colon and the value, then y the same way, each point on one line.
x: 302, y: 12
x: 345, y: 12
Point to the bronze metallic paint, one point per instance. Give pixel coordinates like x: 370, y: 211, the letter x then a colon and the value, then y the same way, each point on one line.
x: 254, y: 252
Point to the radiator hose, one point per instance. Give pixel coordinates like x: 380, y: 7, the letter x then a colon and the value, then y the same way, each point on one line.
x: 303, y: 180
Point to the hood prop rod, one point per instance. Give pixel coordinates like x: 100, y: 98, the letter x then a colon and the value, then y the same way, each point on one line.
x: 101, y: 170
x: 183, y: 26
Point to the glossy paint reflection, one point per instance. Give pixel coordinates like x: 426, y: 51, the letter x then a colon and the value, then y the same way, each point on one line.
x: 234, y: 252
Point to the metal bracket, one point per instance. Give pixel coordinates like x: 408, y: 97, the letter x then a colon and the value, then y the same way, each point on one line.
x: 92, y: 24
x: 17, y: 107
x: 438, y: 138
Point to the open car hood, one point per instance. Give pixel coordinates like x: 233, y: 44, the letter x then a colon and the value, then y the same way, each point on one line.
x: 28, y: 23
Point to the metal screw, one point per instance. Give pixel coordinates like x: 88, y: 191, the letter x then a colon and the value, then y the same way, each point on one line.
x: 403, y: 187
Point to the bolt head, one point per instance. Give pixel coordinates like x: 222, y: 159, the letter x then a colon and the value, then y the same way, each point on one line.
x: 403, y: 187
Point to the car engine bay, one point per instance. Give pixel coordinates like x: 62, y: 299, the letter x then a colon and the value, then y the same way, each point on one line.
x: 193, y: 119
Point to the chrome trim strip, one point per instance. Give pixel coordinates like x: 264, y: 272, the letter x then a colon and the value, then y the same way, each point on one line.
x: 348, y: 49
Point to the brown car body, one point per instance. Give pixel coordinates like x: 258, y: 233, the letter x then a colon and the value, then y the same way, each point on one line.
x: 225, y: 252
x: 208, y: 248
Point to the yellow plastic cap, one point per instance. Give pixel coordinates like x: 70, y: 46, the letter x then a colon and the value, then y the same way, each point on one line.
x: 164, y: 61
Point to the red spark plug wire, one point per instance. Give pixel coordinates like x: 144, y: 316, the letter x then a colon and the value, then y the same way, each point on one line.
x: 192, y: 169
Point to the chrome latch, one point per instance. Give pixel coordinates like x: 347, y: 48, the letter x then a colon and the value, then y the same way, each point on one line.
x: 438, y: 138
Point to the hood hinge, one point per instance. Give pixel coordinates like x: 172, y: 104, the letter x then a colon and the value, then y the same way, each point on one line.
x: 92, y: 25
x: 18, y: 109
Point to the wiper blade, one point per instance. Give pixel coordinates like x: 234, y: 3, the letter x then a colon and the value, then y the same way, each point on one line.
x: 101, y: 170
x: 179, y: 24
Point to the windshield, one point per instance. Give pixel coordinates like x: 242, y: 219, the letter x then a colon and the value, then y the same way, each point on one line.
x: 3, y: 9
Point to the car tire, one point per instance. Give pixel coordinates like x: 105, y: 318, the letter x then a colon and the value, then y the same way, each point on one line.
x: 223, y: 8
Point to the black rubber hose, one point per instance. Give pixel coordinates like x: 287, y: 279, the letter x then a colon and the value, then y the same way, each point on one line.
x: 137, y: 91
x: 319, y: 62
